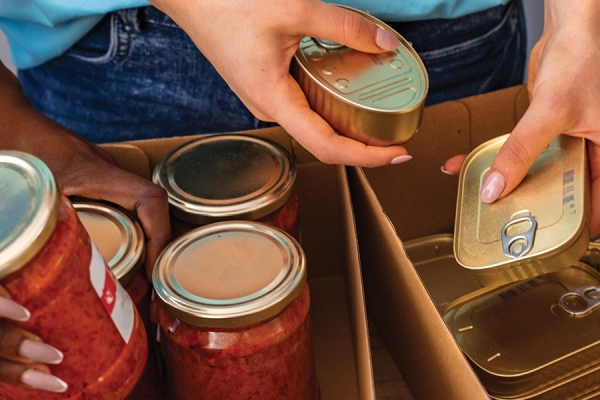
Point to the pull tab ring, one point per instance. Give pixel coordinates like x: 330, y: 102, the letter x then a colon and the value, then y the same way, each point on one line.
x: 328, y: 44
x: 581, y: 300
x: 528, y: 236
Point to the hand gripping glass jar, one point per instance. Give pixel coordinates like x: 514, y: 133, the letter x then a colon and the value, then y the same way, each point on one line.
x: 49, y: 265
x: 234, y: 314
x: 230, y: 177
x: 121, y: 241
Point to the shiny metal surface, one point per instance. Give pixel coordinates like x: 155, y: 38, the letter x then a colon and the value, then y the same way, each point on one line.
x: 544, y: 222
x: 374, y: 98
x: 29, y: 207
x: 226, y: 176
x: 119, y: 237
x: 519, y: 339
x: 229, y: 274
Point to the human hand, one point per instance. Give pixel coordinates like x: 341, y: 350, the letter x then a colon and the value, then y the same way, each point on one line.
x: 80, y: 167
x: 251, y: 44
x: 564, y: 88
x: 23, y: 355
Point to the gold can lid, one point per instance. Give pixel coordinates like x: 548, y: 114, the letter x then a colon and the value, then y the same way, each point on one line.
x: 374, y: 98
x: 529, y: 334
x: 544, y: 217
x: 29, y: 208
x: 118, y: 236
x: 229, y: 274
x: 225, y: 177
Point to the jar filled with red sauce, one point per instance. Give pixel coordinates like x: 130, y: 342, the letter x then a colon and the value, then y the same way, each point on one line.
x: 234, y: 314
x: 49, y: 265
x: 230, y: 177
x: 121, y: 241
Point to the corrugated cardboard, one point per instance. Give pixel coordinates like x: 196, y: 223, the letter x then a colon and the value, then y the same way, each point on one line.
x: 338, y: 313
x: 402, y: 202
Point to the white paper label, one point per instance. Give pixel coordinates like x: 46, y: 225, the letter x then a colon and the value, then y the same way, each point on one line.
x: 114, y: 298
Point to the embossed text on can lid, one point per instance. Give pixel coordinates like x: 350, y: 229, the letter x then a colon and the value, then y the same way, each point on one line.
x: 229, y: 274
x: 29, y: 207
x: 542, y: 226
x: 118, y: 237
x: 533, y: 334
x: 374, y: 98
x: 226, y: 176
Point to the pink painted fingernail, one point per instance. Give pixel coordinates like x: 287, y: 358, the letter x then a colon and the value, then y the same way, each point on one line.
x: 41, y: 380
x: 492, y: 187
x: 40, y: 351
x: 401, y: 159
x: 10, y: 309
x: 444, y: 170
x: 386, y: 40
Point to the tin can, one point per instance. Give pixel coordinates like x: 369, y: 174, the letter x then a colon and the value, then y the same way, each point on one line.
x: 121, y: 241
x: 377, y: 99
x: 49, y: 265
x: 234, y: 314
x: 444, y: 279
x: 230, y: 177
x: 592, y: 254
x: 541, y: 227
x: 533, y: 339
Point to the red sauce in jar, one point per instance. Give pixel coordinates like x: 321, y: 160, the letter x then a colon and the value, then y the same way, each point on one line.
x: 67, y: 313
x: 268, y: 360
x: 233, y: 312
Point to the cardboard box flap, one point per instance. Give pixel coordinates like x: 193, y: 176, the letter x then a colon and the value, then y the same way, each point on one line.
x: 409, y: 323
x: 130, y: 158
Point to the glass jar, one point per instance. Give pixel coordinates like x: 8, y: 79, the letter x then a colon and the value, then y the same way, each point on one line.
x: 49, y: 265
x: 234, y: 314
x: 230, y: 177
x: 121, y: 241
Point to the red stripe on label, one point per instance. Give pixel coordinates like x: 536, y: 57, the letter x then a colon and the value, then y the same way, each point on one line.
x: 109, y: 292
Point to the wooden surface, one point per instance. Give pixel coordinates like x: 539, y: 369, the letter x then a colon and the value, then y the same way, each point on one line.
x: 389, y: 384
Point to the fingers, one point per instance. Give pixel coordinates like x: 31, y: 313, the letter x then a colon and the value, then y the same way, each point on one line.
x: 453, y: 165
x: 36, y: 376
x: 349, y: 28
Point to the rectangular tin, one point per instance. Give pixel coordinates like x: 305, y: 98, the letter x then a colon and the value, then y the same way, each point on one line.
x: 533, y: 339
x: 377, y: 99
x: 542, y: 226
x: 434, y: 261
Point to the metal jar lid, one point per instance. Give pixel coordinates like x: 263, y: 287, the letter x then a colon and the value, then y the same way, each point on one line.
x: 377, y: 99
x: 542, y: 226
x: 229, y: 274
x: 225, y: 177
x: 118, y: 237
x: 533, y: 334
x: 29, y: 208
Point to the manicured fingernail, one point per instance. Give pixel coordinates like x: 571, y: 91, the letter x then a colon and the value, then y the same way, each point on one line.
x: 401, y: 159
x: 10, y: 309
x: 386, y: 40
x: 41, y: 380
x: 444, y: 170
x: 492, y: 187
x: 40, y: 351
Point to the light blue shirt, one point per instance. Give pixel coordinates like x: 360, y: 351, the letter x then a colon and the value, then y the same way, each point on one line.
x: 39, y: 30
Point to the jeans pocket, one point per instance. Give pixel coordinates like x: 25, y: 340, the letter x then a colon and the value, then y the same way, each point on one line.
x: 100, y: 45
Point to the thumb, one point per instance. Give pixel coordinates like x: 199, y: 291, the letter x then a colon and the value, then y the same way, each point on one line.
x: 536, y: 129
x: 352, y: 29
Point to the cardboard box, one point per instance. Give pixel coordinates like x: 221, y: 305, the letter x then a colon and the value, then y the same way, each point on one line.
x: 338, y: 313
x: 413, y: 200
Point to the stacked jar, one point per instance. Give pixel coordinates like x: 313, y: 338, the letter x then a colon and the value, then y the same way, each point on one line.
x: 230, y: 177
x: 121, y: 241
x: 234, y: 314
x: 49, y: 265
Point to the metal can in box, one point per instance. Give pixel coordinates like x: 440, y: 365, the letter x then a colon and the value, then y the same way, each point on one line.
x: 541, y: 227
x: 230, y: 177
x: 377, y: 99
x: 533, y: 339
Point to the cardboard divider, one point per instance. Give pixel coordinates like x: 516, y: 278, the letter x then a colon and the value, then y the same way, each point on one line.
x: 413, y: 200
x: 329, y: 240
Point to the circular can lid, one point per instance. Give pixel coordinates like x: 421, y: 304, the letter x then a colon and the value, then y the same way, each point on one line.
x: 29, y: 208
x: 225, y: 177
x: 118, y: 236
x: 229, y: 274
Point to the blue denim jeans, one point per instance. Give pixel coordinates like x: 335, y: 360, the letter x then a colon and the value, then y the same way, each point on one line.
x: 137, y: 75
